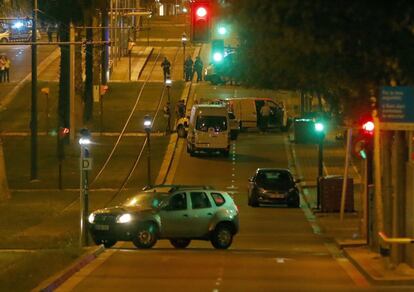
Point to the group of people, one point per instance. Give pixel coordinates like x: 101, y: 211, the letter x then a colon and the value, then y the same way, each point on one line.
x: 190, y: 67
x: 4, y: 69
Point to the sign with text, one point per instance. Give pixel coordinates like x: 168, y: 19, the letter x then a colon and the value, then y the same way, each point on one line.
x: 86, y: 163
x: 396, y: 107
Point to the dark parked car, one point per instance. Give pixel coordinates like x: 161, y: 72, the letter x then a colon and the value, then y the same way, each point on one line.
x: 273, y: 186
x: 180, y: 214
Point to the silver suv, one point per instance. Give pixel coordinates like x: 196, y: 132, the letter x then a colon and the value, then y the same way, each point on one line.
x: 177, y: 213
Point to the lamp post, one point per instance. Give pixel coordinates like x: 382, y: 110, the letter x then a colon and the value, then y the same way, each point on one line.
x: 147, y: 127
x: 184, y: 42
x: 319, y: 129
x: 168, y: 83
x: 85, y: 166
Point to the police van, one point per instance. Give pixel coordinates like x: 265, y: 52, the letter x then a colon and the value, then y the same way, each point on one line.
x: 208, y: 129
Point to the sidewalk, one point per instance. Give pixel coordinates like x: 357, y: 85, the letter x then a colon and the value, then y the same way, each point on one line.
x: 345, y: 233
x: 139, y: 57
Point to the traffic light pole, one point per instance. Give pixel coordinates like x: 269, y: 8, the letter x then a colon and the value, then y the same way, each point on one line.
x: 320, y: 172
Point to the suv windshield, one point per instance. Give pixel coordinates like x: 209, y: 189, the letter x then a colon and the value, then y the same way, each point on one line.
x: 145, y: 201
x: 206, y: 122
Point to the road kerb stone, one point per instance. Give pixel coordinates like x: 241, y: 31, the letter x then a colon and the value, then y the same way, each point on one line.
x: 55, y: 281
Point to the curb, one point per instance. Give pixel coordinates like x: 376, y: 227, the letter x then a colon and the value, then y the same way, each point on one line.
x: 373, y: 276
x: 55, y: 281
x: 151, y: 50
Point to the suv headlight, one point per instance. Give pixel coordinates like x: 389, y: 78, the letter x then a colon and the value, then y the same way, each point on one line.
x: 125, y: 218
x: 91, y: 218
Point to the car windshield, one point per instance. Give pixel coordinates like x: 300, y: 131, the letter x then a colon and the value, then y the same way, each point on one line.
x: 145, y: 201
x: 273, y: 178
x: 206, y: 122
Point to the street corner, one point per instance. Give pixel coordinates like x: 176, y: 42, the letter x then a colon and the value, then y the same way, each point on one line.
x: 379, y: 269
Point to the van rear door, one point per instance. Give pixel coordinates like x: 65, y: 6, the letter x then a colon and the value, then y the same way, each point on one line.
x: 248, y: 113
x: 212, y: 132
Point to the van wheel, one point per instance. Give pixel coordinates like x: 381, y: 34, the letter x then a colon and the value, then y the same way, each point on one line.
x: 226, y: 153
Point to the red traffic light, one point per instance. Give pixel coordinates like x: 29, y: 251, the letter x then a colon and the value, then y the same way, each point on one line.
x: 368, y: 127
x: 200, y: 21
x: 63, y: 132
x: 201, y: 12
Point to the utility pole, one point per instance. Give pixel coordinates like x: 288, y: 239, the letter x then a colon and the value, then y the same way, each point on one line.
x: 72, y: 117
x: 33, y: 120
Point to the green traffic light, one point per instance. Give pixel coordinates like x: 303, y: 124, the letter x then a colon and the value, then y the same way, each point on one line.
x: 217, y: 57
x: 222, y: 30
x: 319, y: 127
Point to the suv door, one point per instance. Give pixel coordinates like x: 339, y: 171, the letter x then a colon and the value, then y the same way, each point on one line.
x: 201, y: 213
x: 175, y: 217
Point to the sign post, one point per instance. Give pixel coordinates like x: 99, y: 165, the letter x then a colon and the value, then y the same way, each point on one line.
x: 85, y: 166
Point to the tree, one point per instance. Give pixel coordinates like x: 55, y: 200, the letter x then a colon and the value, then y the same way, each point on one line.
x: 327, y: 47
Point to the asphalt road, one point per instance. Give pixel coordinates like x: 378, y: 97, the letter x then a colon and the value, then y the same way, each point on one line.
x: 20, y: 56
x: 276, y: 249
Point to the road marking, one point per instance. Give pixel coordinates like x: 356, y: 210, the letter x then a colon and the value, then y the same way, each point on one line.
x: 73, y: 281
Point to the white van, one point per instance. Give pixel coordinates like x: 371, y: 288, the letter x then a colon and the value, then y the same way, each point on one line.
x: 247, y: 111
x: 208, y: 129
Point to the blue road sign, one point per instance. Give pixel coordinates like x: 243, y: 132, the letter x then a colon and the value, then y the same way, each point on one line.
x: 396, y: 104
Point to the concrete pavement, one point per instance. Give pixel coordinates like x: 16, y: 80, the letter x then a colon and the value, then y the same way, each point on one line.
x: 346, y: 233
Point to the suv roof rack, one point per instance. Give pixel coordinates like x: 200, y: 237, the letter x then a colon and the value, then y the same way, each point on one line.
x: 174, y: 188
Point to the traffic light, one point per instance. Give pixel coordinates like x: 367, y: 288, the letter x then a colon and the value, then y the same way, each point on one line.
x: 364, y: 143
x: 200, y: 20
x: 319, y: 127
x: 63, y: 133
x: 217, y: 50
x: 368, y: 128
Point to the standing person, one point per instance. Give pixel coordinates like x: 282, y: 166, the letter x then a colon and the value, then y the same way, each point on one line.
x: 2, y: 67
x: 7, y: 63
x: 264, y: 117
x: 49, y: 32
x: 166, y: 65
x: 198, y: 67
x: 180, y: 109
x: 188, y: 66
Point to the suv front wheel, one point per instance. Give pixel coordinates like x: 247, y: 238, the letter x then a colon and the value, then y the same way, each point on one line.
x: 222, y: 237
x: 146, y: 236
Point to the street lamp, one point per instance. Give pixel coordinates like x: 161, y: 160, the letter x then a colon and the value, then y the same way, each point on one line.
x: 320, y: 132
x: 184, y: 42
x: 85, y: 166
x: 148, y: 127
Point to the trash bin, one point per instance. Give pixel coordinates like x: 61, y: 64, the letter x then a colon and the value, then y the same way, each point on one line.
x: 330, y: 188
